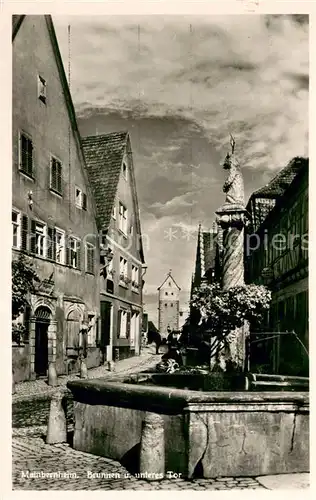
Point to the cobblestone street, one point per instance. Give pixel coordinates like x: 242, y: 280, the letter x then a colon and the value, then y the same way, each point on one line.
x: 30, y: 404
x: 31, y: 457
x: 38, y: 466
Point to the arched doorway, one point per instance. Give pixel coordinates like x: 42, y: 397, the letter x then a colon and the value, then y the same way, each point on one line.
x: 42, y: 321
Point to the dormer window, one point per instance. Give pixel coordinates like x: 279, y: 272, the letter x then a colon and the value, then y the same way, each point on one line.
x: 41, y: 89
x: 81, y: 199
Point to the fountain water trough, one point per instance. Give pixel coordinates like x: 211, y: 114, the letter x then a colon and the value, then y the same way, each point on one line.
x: 210, y: 434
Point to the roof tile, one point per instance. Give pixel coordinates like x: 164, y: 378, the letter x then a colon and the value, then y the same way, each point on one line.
x: 104, y: 156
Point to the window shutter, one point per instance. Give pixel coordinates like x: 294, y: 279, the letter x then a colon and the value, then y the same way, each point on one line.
x: 59, y: 179
x: 23, y: 158
x: 24, y: 232
x: 84, y: 201
x: 33, y: 236
x: 78, y: 248
x: 53, y: 173
x: 30, y: 157
x: 128, y: 325
x: 51, y: 247
x: 68, y: 251
x: 119, y: 316
x: 92, y: 260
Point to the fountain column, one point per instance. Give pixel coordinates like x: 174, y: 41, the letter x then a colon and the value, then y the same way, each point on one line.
x: 232, y: 218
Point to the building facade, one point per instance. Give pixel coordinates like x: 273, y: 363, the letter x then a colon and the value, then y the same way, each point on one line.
x: 207, y: 259
x: 276, y: 254
x: 53, y: 212
x: 111, y: 173
x: 168, y: 305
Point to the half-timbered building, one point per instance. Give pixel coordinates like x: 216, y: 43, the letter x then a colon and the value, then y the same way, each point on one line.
x: 276, y: 254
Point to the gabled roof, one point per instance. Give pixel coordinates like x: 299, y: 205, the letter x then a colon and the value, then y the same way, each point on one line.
x: 278, y: 185
x: 263, y: 200
x: 104, y: 157
x: 168, y: 277
x: 16, y: 24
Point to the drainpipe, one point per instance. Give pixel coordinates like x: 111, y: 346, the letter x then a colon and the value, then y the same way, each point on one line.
x: 144, y: 269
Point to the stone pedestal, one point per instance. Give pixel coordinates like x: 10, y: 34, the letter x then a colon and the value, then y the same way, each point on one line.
x: 57, y: 424
x: 232, y: 218
x: 52, y: 374
x: 152, y: 448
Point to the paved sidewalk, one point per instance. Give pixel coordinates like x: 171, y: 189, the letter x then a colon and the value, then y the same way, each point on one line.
x: 146, y: 360
x: 285, y: 481
x: 34, y: 462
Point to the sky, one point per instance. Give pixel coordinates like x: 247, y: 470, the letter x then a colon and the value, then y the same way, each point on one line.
x: 180, y: 85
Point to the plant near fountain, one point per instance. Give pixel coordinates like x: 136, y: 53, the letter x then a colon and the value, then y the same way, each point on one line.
x: 204, y: 424
x: 220, y: 313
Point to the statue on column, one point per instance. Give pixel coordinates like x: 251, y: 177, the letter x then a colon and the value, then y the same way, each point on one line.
x: 232, y: 217
x: 234, y: 184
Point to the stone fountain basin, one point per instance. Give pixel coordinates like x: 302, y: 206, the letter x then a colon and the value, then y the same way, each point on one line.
x: 211, y: 434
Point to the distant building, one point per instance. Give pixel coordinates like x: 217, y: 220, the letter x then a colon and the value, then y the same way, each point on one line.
x: 169, y: 305
x: 111, y: 173
x: 276, y: 254
x: 207, y: 259
x: 53, y: 209
x: 183, y: 316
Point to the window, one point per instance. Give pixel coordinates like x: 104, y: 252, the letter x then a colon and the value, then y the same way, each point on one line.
x: 123, y: 218
x: 166, y: 293
x: 114, y: 211
x: 56, y: 244
x: 38, y: 238
x: 123, y: 270
x: 171, y: 305
x: 134, y: 328
x: 135, y: 277
x: 90, y: 258
x: 26, y: 154
x: 16, y: 229
x: 55, y: 175
x: 124, y: 168
x: 92, y: 332
x: 73, y: 252
x: 81, y: 199
x: 41, y: 89
x: 123, y: 323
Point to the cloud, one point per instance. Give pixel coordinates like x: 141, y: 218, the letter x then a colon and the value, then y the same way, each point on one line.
x: 180, y: 85
x: 217, y: 72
